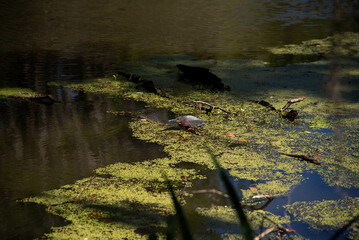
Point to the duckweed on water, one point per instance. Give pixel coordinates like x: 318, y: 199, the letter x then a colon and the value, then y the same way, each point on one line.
x: 341, y: 44
x: 130, y: 200
x: 17, y: 92
x: 327, y: 214
x: 222, y: 217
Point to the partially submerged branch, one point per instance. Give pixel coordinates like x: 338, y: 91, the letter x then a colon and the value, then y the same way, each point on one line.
x: 303, y: 157
x: 269, y: 198
x: 266, y: 232
x: 214, y: 191
x: 291, y: 115
x: 290, y: 102
x: 281, y: 231
x: 199, y: 105
x: 263, y: 196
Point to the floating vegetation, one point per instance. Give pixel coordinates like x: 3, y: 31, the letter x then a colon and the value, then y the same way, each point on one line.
x: 17, y: 92
x: 339, y: 44
x: 250, y: 141
x: 327, y: 215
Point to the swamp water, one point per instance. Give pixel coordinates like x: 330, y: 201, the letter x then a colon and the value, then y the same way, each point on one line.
x: 44, y: 147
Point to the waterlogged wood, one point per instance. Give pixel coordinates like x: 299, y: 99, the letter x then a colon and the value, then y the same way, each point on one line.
x: 303, y: 157
x: 290, y: 102
x: 214, y: 191
x: 260, y: 196
x: 291, y: 115
x: 266, y: 232
x: 199, y: 105
x: 280, y: 228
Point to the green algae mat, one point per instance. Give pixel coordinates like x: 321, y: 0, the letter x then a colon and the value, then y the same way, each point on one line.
x: 131, y: 200
x: 17, y: 92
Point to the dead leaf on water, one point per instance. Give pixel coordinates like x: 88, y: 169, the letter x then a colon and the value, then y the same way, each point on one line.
x: 230, y: 135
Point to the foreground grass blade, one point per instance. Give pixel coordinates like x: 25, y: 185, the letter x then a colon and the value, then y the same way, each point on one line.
x: 171, y: 227
x: 186, y: 233
x: 344, y: 228
x: 243, y: 221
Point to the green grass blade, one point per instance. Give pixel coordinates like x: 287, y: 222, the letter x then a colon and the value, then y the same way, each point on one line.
x: 186, y: 233
x: 345, y: 227
x: 243, y: 221
x: 171, y: 227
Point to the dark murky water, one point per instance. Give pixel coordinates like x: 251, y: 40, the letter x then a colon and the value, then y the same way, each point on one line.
x: 43, y: 147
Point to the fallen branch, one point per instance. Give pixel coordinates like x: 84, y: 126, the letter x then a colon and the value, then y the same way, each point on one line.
x: 266, y: 232
x: 290, y: 102
x: 291, y: 115
x: 264, y: 206
x: 281, y: 231
x: 303, y: 157
x: 263, y: 196
x: 199, y: 105
x: 210, y: 191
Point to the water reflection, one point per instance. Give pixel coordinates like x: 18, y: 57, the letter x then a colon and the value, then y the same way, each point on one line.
x: 124, y: 29
x: 43, y: 147
x: 34, y: 69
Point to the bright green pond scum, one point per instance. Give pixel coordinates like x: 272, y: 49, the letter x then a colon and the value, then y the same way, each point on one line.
x: 340, y: 44
x: 130, y: 200
x: 17, y: 92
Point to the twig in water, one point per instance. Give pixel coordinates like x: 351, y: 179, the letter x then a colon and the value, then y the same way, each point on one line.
x: 290, y: 102
x: 264, y: 206
x: 303, y: 157
x: 212, y: 107
x: 210, y: 191
x: 263, y: 196
x: 266, y: 232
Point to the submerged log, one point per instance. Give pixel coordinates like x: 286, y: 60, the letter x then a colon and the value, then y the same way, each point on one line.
x: 201, y: 76
x: 143, y: 84
x: 303, y: 157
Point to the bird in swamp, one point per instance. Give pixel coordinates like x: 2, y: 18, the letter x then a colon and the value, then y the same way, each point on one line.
x: 188, y: 121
